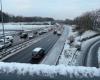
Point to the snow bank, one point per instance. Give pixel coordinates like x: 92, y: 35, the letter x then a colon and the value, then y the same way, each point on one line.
x: 88, y: 34
x: 46, y: 70
x: 69, y: 55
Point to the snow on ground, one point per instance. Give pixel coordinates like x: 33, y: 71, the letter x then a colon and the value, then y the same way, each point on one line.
x: 70, y: 52
x: 69, y: 55
x: 47, y: 70
x: 88, y: 34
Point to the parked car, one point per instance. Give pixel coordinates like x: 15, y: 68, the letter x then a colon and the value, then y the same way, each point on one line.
x: 37, y: 53
x: 9, y: 38
x: 24, y: 35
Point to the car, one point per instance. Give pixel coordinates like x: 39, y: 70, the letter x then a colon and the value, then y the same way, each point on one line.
x: 58, y: 33
x: 54, y: 32
x: 41, y: 32
x: 24, y: 35
x: 31, y: 36
x: 38, y: 53
x: 9, y: 38
x: 45, y: 31
x: 35, y: 32
x: 7, y: 44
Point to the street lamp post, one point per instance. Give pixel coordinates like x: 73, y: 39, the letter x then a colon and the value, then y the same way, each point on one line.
x: 2, y: 22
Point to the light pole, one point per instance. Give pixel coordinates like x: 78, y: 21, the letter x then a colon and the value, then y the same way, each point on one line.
x: 2, y: 22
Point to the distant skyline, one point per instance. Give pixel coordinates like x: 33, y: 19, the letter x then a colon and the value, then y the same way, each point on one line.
x: 58, y: 9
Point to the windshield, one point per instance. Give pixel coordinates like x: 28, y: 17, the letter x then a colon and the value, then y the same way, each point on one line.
x: 49, y: 39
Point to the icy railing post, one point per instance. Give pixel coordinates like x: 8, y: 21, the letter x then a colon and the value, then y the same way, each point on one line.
x: 17, y: 71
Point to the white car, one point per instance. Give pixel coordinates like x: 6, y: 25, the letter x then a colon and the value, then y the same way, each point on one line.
x: 7, y: 44
x: 58, y: 33
x: 9, y: 38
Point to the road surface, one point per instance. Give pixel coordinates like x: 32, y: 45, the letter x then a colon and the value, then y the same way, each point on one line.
x: 56, y: 51
x: 24, y: 56
x: 89, y: 56
x: 92, y: 57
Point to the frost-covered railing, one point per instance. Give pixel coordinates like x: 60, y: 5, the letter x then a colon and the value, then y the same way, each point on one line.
x: 17, y: 71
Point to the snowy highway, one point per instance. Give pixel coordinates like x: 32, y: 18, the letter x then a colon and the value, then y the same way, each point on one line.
x: 25, y: 55
x: 56, y: 51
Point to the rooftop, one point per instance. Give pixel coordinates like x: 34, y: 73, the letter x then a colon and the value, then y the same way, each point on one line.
x: 37, y: 49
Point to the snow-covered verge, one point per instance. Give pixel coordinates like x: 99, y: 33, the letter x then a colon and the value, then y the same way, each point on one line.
x: 74, y: 46
x: 47, y: 71
x: 70, y: 54
x: 88, y: 34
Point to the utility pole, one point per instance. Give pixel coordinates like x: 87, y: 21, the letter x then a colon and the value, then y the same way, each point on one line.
x: 2, y: 22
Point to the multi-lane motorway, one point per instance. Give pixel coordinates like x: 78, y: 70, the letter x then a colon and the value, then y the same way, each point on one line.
x: 25, y: 55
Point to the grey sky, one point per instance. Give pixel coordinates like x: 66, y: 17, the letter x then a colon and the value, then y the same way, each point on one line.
x: 59, y: 9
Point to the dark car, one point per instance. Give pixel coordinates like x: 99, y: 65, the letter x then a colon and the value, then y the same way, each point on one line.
x: 41, y: 32
x: 37, y: 53
x: 24, y: 35
x: 55, y: 32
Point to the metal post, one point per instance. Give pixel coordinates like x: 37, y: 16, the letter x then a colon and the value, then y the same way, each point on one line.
x: 2, y: 22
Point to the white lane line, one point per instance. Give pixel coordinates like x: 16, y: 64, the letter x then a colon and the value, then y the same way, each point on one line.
x: 34, y: 41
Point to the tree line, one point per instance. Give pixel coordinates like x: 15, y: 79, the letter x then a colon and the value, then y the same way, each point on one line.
x: 88, y: 21
x: 11, y: 18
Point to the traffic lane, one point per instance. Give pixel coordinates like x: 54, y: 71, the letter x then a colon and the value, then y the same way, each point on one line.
x: 92, y: 58
x: 57, y: 49
x: 46, y: 45
x: 22, y: 53
x: 18, y: 40
x: 82, y: 60
x: 24, y: 56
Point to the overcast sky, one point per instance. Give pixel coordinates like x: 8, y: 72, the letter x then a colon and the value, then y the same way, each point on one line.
x: 59, y: 9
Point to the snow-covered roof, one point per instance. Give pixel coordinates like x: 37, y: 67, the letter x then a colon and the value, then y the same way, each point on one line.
x: 37, y: 49
x: 9, y: 37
